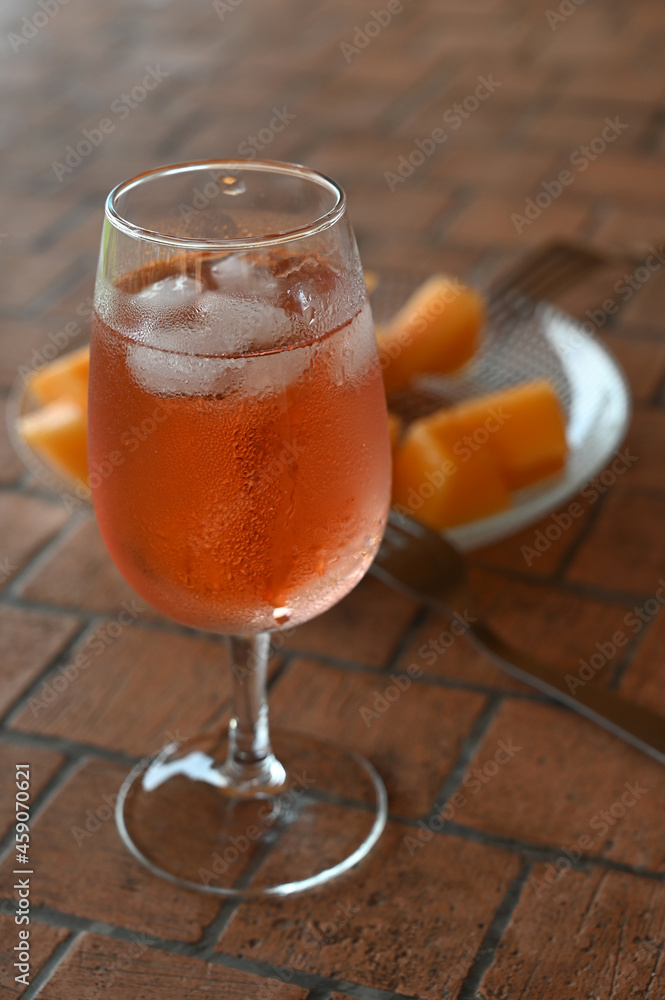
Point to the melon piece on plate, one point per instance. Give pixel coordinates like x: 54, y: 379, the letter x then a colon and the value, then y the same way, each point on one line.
x: 65, y: 378
x: 58, y: 432
x: 523, y: 426
x: 434, y: 485
x: 436, y: 331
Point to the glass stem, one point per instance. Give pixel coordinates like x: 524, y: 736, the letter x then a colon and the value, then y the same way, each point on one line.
x: 251, y: 765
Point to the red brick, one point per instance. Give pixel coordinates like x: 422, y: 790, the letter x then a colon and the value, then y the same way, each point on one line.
x: 413, y: 737
x: 492, y: 120
x: 29, y: 640
x: 117, y: 888
x: 131, y: 969
x: 26, y: 523
x: 644, y: 681
x: 559, y: 628
x: 393, y: 257
x: 133, y: 691
x: 345, y: 104
x: 43, y: 765
x: 460, y: 661
x: 512, y: 170
x: 647, y: 305
x: 624, y: 550
x: 43, y: 941
x: 406, y: 923
x: 555, y: 788
x: 366, y: 626
x: 80, y: 574
x: 596, y: 298
x: 604, y: 82
x: 624, y: 227
x: 376, y: 208
x: 567, y: 129
x: 593, y: 934
x: 642, y: 361
x: 645, y: 443
x: 488, y: 220
x: 624, y: 178
x: 519, y: 552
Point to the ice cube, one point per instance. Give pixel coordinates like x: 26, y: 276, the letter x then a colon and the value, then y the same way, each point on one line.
x: 243, y: 324
x: 244, y: 273
x: 168, y: 373
x: 171, y: 291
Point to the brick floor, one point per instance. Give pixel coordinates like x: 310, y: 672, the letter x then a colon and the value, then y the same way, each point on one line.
x: 28, y: 643
x: 43, y: 764
x: 44, y: 939
x: 400, y: 923
x: 467, y: 910
x: 585, y: 917
x: 132, y: 968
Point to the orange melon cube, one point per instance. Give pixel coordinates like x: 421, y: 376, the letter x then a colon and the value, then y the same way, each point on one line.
x: 434, y: 485
x: 58, y: 432
x: 435, y: 331
x: 523, y: 426
x: 65, y: 378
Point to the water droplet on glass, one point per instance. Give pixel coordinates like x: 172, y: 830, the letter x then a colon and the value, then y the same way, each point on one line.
x: 233, y: 185
x: 281, y: 615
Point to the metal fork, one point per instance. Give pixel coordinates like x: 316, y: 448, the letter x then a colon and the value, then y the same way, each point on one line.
x: 418, y: 561
x: 551, y: 269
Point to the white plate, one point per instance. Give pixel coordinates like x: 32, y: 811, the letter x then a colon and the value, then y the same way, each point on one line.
x: 541, y: 341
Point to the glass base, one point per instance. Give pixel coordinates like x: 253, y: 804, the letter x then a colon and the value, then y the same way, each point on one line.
x: 176, y: 816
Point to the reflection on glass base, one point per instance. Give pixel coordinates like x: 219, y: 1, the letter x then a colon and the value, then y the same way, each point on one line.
x: 175, y: 815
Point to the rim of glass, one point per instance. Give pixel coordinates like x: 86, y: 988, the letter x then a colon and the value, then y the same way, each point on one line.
x: 267, y: 166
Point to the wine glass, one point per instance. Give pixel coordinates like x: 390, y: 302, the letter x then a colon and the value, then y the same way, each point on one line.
x: 238, y: 429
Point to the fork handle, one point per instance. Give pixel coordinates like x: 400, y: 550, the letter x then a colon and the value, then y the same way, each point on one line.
x: 633, y: 723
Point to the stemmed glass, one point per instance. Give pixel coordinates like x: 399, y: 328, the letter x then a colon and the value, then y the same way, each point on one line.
x: 237, y: 423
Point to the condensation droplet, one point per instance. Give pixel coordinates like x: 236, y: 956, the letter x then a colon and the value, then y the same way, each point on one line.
x: 281, y: 615
x: 233, y: 186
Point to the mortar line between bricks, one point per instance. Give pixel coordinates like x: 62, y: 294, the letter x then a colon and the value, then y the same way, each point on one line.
x: 293, y: 652
x: 216, y: 928
x: 99, y: 618
x: 566, y: 586
x: 467, y: 752
x: 51, y: 667
x: 285, y: 665
x: 41, y: 801
x: 265, y: 970
x: 402, y: 644
x: 486, y: 952
x: 44, y: 553
x: 631, y: 651
x: 320, y: 993
x: 70, y: 748
x: 587, y: 528
x: 59, y: 954
x: 310, y: 980
x: 656, y: 398
x: 529, y: 853
x: 595, y: 592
